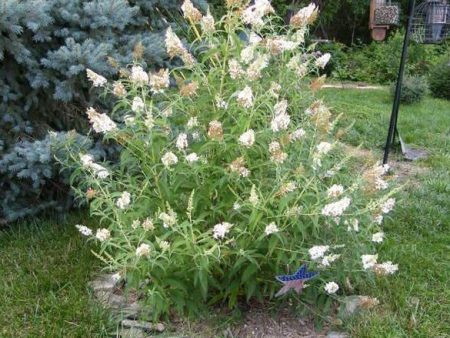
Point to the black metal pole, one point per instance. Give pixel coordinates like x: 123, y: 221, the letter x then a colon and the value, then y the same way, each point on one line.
x: 398, y: 89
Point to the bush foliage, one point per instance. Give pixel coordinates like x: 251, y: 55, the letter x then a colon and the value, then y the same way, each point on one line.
x: 439, y: 80
x: 414, y: 88
x: 232, y: 176
x: 378, y: 62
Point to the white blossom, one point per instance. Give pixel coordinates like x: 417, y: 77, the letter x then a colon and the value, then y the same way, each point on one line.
x: 87, y: 161
x: 236, y: 206
x: 388, y: 205
x: 164, y: 245
x: 192, y: 122
x: 245, y: 97
x: 135, y: 224
x: 138, y: 75
x: 378, y: 219
x: 221, y: 229
x: 221, y: 103
x: 335, y: 190
x: 322, y: 61
x: 378, y: 237
x: 84, y: 230
x: 331, y: 287
x: 190, y: 12
x: 253, y: 199
x: 169, y: 159
x: 318, y: 251
x: 327, y: 260
x: 369, y: 261
x: 253, y: 15
x: 247, y: 54
x: 254, y: 38
x: 281, y: 119
x: 271, y: 229
x: 255, y: 69
x: 192, y: 158
x: 124, y: 200
x: 137, y: 105
x: 143, y: 250
x: 148, y: 225
x: 305, y: 16
x: 208, y: 22
x: 101, y: 123
x: 159, y: 81
x: 297, y: 134
x: 97, y: 80
x: 168, y: 219
x: 103, y: 234
x: 182, y: 141
x: 386, y: 268
x: 336, y: 209
x: 235, y: 69
x: 247, y: 139
x: 324, y: 148
x: 353, y: 225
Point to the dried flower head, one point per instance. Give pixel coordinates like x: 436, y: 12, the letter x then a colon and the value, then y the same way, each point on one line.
x: 138, y: 76
x: 247, y: 139
x: 235, y: 69
x: 189, y: 89
x: 238, y: 166
x: 215, y: 131
x: 119, y: 89
x: 190, y: 12
x: 305, y: 16
x: 159, y: 81
x: 208, y: 23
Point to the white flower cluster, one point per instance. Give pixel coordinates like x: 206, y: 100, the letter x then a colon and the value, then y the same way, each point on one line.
x: 388, y: 206
x: 84, y: 230
x: 143, y: 250
x: 271, y: 229
x: 137, y: 105
x: 305, y: 16
x: 322, y: 61
x: 331, y: 287
x: 169, y: 219
x: 101, y: 123
x: 103, y: 235
x: 182, y: 141
x: 124, y: 200
x: 221, y: 229
x: 169, y: 159
x: 281, y: 119
x: 335, y: 190
x: 138, y: 76
x: 245, y: 97
x: 97, y: 80
x: 87, y: 161
x: 247, y: 139
x: 318, y: 251
x: 253, y: 15
x: 336, y: 209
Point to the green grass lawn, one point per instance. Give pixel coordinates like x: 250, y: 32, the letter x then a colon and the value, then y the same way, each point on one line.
x: 416, y: 301
x: 44, y: 270
x: 45, y: 265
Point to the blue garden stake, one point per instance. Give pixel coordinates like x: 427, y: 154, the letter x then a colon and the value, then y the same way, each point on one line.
x: 295, y: 281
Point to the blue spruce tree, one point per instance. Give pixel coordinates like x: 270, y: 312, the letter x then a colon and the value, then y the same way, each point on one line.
x: 45, y: 48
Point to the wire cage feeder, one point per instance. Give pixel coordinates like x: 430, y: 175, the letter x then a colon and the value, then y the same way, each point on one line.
x: 431, y: 22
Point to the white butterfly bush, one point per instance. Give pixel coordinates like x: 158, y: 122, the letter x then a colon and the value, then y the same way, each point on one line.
x: 233, y: 175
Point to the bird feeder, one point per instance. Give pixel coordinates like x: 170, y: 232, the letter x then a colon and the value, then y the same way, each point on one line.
x: 383, y: 15
x: 428, y: 22
x: 431, y: 22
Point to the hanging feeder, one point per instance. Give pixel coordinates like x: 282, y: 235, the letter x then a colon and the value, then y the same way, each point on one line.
x: 431, y: 22
x: 383, y: 15
x: 387, y: 13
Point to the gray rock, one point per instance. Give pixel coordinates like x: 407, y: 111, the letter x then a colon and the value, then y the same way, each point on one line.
x: 335, y: 334
x: 132, y: 333
x: 104, y: 282
x: 129, y: 323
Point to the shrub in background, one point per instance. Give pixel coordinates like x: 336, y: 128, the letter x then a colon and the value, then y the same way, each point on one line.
x: 45, y: 48
x: 414, y: 88
x: 439, y: 80
x: 234, y: 176
x: 378, y: 62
